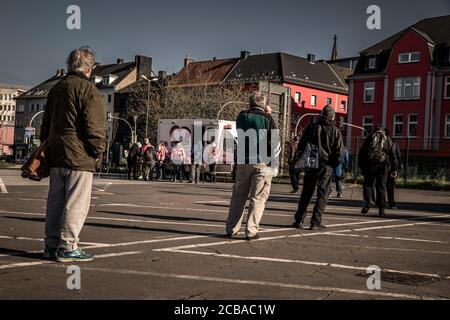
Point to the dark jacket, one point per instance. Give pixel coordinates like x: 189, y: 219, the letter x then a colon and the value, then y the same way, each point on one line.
x: 331, y: 142
x: 74, y: 124
x: 367, y: 167
x: 256, y: 119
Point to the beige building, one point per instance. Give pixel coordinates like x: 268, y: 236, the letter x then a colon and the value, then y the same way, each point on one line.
x: 8, y: 117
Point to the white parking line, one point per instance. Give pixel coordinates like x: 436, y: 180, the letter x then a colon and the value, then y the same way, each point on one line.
x: 311, y: 263
x: 261, y: 283
x: 385, y: 238
x: 3, y: 188
x: 42, y: 240
x: 38, y: 263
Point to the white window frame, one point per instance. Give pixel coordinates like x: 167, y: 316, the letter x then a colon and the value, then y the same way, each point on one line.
x: 298, y: 97
x: 447, y: 126
x: 409, y: 56
x: 371, y: 63
x: 369, y: 89
x: 414, y: 122
x: 313, y: 97
x: 331, y: 102
x: 401, y: 85
x: 394, y: 134
x: 343, y: 105
x: 447, y: 87
x: 364, y: 125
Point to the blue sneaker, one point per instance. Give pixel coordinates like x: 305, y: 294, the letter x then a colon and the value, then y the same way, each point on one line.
x: 50, y: 253
x: 77, y: 255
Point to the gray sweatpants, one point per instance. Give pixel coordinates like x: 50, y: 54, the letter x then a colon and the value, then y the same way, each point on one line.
x: 253, y: 182
x: 69, y: 200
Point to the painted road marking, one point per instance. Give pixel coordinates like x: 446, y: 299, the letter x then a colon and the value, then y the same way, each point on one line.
x: 42, y: 240
x: 3, y: 187
x: 38, y: 263
x: 304, y: 262
x: 386, y: 238
x: 260, y: 283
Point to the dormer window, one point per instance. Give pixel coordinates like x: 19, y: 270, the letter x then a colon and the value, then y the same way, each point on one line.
x: 109, y: 79
x: 105, y: 81
x: 371, y: 63
x: 409, y: 57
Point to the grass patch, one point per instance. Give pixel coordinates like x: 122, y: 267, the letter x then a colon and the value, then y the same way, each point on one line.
x: 5, y: 165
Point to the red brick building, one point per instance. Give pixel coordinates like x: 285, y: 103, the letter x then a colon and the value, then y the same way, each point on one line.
x: 403, y: 84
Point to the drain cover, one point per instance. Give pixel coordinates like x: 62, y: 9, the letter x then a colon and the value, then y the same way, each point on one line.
x: 404, y: 279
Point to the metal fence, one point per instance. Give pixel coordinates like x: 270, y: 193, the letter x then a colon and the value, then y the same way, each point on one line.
x: 426, y: 159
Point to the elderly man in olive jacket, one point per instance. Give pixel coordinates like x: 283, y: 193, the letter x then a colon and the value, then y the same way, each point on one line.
x: 73, y: 125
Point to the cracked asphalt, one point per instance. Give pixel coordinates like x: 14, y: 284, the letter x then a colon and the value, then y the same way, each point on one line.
x: 166, y: 241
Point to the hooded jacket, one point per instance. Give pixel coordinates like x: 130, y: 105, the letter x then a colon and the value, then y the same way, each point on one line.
x: 331, y: 142
x: 74, y: 124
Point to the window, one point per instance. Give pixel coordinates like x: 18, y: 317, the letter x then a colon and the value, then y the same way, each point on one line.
x: 412, y: 125
x: 369, y: 92
x: 398, y: 125
x: 13, y: 118
x: 109, y: 98
x: 447, y: 88
x: 20, y: 108
x: 407, y: 88
x: 371, y: 63
x: 313, y: 100
x: 409, y: 57
x: 367, y: 125
x: 298, y: 97
x: 328, y: 102
x: 32, y: 107
x: 105, y: 81
x: 447, y: 126
x: 343, y: 105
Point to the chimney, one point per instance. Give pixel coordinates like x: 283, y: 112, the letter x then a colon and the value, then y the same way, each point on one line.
x: 187, y: 61
x: 214, y: 58
x: 143, y: 66
x: 162, y: 75
x: 120, y: 61
x: 245, y: 54
x: 312, y: 58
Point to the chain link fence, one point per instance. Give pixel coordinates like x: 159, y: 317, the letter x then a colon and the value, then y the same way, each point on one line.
x: 423, y: 159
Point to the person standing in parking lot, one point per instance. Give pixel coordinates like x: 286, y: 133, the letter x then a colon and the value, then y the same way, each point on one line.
x: 74, y: 127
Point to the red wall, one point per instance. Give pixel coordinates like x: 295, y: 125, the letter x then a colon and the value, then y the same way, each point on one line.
x: 362, y: 109
x: 322, y: 95
x: 6, y: 139
x: 411, y: 41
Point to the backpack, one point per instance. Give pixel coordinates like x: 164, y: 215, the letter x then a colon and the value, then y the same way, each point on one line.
x: 376, y: 153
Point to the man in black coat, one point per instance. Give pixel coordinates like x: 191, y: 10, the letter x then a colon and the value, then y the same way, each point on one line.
x: 328, y: 138
x: 376, y: 159
x: 392, y: 176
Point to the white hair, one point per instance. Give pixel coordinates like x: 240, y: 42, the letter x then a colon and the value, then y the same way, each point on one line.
x: 81, y: 60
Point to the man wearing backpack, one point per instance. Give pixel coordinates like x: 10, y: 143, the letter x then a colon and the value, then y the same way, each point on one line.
x: 376, y: 159
x: 326, y: 138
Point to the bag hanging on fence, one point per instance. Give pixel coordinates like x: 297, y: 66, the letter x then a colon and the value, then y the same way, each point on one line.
x: 310, y: 158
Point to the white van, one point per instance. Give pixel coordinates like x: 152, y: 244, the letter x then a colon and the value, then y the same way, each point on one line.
x: 189, y: 131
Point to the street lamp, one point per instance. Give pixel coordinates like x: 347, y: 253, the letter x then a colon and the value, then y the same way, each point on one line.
x: 226, y: 104
x: 148, y: 103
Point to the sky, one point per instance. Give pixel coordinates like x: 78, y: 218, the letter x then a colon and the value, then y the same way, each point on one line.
x: 35, y: 40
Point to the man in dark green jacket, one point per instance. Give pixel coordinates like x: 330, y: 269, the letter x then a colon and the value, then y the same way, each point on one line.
x: 74, y: 127
x: 256, y: 165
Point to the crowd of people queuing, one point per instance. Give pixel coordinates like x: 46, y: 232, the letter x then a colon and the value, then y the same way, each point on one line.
x: 73, y: 131
x: 150, y: 163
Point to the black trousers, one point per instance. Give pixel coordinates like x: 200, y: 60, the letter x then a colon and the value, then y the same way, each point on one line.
x: 294, y: 174
x: 132, y: 168
x: 390, y: 188
x: 377, y: 176
x: 322, y: 179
